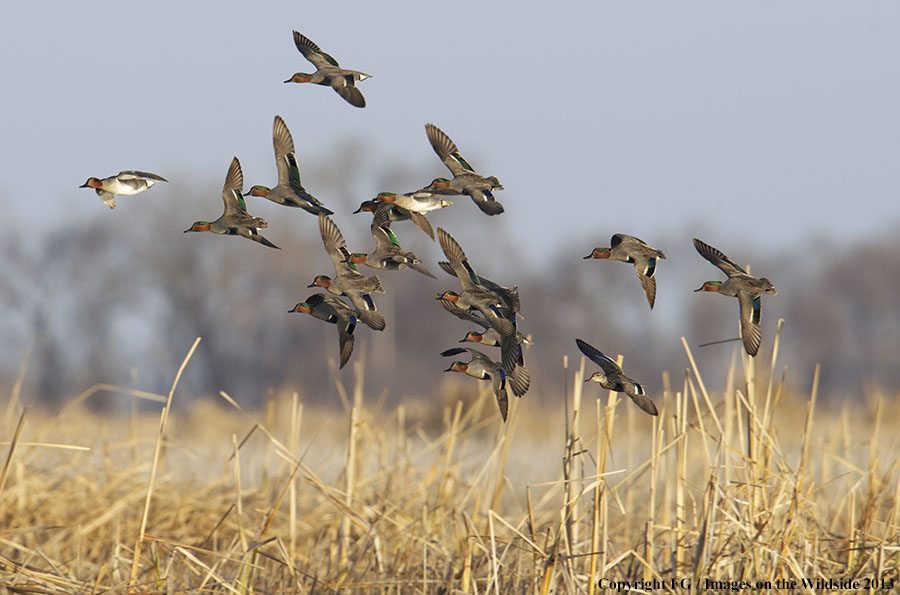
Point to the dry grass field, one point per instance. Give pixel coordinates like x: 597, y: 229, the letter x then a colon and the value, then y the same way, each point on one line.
x: 729, y: 486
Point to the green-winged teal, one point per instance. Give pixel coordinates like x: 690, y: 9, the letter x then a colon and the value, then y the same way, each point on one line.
x: 235, y: 220
x: 509, y: 295
x: 511, y: 353
x: 348, y: 280
x: 328, y: 72
x: 335, y: 311
x: 388, y: 255
x: 634, y: 250
x: 289, y: 191
x: 484, y: 368
x: 396, y: 213
x: 474, y: 294
x: 420, y: 201
x: 746, y: 288
x: 124, y: 183
x: 612, y: 378
x: 465, y: 179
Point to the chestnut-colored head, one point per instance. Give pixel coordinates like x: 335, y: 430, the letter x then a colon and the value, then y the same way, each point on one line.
x: 709, y: 286
x: 259, y: 191
x: 598, y: 253
x: 440, y: 183
x: 299, y: 77
x: 92, y: 183
x: 302, y: 307
x: 199, y: 226
x: 458, y: 367
x: 473, y: 337
x: 367, y: 206
x: 321, y: 281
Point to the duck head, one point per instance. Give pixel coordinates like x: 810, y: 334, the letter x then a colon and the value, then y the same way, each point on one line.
x: 458, y: 367
x: 598, y: 377
x: 92, y: 183
x: 440, y: 183
x: 450, y: 296
x: 302, y: 307
x: 598, y: 253
x: 258, y: 191
x: 199, y: 226
x: 357, y: 258
x: 473, y: 337
x: 321, y: 281
x: 710, y: 286
x: 389, y: 197
x: 366, y: 206
x: 299, y: 77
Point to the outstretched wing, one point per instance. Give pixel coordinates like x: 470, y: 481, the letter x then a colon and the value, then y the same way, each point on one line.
x: 350, y: 93
x: 284, y: 147
x: 620, y: 238
x: 485, y: 201
x: 609, y: 366
x: 346, y: 325
x: 447, y: 151
x: 519, y: 380
x: 645, y: 268
x: 751, y: 315
x: 312, y: 52
x: 463, y: 314
x: 718, y: 258
x: 458, y: 261
x: 108, y: 198
x: 335, y: 245
x: 455, y: 351
x: 422, y: 223
x: 231, y: 192
x: 643, y: 401
x: 142, y: 174
x: 498, y: 384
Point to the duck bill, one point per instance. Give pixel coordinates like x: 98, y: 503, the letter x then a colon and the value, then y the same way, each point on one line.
x: 700, y: 288
x: 450, y: 369
x: 289, y: 80
x: 187, y: 230
x: 85, y: 185
x: 312, y: 285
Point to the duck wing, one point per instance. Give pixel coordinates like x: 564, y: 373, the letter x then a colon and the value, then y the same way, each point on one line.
x: 231, y: 191
x: 608, y: 365
x: 446, y: 149
x: 312, y: 52
x: 133, y: 173
x: 458, y: 261
x: 718, y: 258
x: 336, y: 247
x: 350, y: 93
x: 485, y: 201
x: 751, y: 315
x: 284, y: 147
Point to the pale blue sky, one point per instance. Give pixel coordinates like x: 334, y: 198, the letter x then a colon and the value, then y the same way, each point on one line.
x: 768, y: 120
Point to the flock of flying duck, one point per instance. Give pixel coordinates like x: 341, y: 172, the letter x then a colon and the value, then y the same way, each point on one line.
x: 489, y: 305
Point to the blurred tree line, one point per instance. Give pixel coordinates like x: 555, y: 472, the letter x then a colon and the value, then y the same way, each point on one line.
x: 120, y: 297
